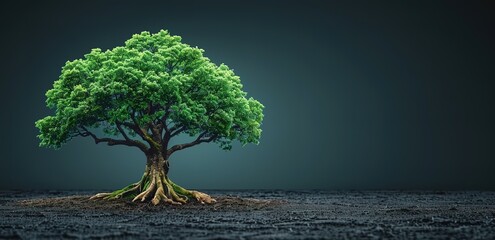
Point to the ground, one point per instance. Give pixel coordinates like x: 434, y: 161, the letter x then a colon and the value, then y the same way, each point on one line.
x: 253, y: 215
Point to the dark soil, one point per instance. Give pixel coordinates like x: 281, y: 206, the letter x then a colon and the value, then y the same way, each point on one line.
x: 253, y: 214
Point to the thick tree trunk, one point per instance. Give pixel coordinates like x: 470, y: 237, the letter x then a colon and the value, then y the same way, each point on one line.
x: 156, y: 186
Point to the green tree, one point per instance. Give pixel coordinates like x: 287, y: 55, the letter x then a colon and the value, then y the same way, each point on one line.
x: 142, y: 95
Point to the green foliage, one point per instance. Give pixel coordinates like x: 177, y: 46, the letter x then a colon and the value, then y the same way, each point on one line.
x: 155, y: 79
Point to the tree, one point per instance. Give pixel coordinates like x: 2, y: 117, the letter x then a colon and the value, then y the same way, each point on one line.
x: 142, y: 95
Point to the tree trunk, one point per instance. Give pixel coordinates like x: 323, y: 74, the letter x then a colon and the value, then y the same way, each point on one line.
x: 156, y: 186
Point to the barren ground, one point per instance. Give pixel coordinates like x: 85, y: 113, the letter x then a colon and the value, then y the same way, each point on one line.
x: 253, y: 215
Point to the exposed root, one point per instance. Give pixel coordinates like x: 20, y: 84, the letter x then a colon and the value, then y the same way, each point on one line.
x: 125, y: 192
x: 158, y: 188
x: 172, y: 193
x: 143, y: 195
x: 160, y: 193
x: 203, y: 197
x: 100, y: 195
x: 199, y: 196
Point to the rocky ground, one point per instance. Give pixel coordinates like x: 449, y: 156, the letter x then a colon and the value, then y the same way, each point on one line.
x: 253, y: 215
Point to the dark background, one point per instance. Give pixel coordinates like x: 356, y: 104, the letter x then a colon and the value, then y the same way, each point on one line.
x: 358, y: 94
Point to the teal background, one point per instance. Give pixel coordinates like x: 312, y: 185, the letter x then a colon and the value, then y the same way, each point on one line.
x: 358, y: 94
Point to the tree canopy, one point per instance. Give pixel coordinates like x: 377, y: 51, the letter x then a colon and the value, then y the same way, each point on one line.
x: 143, y: 93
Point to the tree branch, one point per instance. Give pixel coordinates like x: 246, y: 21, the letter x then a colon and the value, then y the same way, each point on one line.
x: 136, y: 126
x: 119, y: 127
x: 178, y: 131
x: 175, y: 127
x: 111, y: 141
x: 164, y: 118
x: 130, y: 125
x: 141, y: 145
x: 142, y: 132
x: 198, y: 140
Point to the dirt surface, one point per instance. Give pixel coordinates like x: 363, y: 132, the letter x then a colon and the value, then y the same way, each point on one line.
x: 253, y: 215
